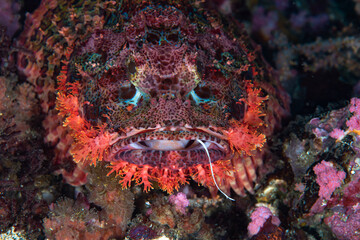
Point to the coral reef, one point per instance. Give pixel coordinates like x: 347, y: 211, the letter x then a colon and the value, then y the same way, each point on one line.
x: 117, y: 205
x: 327, y: 188
x: 103, y: 214
x: 11, y: 234
x: 10, y: 17
x: 123, y: 119
x: 26, y: 183
x: 171, y: 220
x: 72, y: 220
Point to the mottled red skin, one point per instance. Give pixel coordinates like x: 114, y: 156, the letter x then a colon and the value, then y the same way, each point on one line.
x: 139, y: 84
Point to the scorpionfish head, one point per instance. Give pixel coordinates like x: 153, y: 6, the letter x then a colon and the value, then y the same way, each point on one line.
x: 168, y: 96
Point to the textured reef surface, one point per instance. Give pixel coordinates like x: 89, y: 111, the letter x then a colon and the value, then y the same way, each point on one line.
x: 179, y: 119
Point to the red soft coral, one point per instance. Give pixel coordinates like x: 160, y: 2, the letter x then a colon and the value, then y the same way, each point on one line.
x: 245, y: 136
x: 90, y: 143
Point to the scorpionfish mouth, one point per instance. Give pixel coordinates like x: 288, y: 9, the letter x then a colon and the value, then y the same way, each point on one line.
x: 170, y: 148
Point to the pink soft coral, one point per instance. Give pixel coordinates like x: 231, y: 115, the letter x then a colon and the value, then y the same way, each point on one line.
x: 345, y: 226
x: 180, y: 201
x: 337, y: 133
x: 328, y: 178
x: 259, y: 217
x: 353, y: 123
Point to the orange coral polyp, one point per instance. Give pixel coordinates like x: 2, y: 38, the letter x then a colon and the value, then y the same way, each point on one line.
x: 168, y: 179
x: 253, y: 105
x: 66, y: 104
x: 245, y: 136
x: 90, y: 144
x: 244, y: 139
x: 142, y: 176
x: 90, y: 150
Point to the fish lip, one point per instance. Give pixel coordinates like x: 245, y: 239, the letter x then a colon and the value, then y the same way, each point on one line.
x: 172, y: 135
x: 172, y: 140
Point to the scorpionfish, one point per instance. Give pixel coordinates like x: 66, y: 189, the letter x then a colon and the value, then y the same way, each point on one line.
x: 161, y: 92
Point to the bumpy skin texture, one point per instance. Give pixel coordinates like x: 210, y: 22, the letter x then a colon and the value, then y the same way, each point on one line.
x: 139, y: 82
